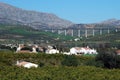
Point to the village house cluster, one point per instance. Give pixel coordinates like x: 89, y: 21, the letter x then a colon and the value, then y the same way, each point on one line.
x: 33, y: 48
x: 48, y: 49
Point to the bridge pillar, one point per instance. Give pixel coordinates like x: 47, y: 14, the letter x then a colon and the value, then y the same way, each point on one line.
x: 58, y: 31
x: 86, y: 33
x: 93, y: 32
x: 116, y: 30
x: 108, y: 31
x: 100, y: 31
x: 72, y: 33
x: 65, y: 32
x: 78, y: 33
x: 52, y: 30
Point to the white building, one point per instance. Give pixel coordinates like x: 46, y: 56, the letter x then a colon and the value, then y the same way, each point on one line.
x: 21, y: 47
x: 82, y: 50
x: 26, y: 64
x: 52, y: 51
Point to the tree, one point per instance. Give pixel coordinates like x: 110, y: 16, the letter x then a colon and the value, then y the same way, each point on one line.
x: 108, y: 57
x: 70, y: 61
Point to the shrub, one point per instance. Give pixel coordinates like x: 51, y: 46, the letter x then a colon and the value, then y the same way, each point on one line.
x: 41, y: 64
x: 109, y: 59
x: 93, y: 62
x: 70, y: 61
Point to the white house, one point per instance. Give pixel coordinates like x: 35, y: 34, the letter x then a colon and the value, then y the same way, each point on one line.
x: 21, y: 47
x: 52, y: 51
x: 82, y: 50
x: 26, y: 64
x: 74, y: 50
x: 76, y: 39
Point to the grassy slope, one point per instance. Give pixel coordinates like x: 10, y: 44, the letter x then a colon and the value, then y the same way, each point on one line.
x: 23, y: 32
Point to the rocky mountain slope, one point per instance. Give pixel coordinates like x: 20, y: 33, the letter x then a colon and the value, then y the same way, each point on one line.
x: 111, y: 23
x: 38, y: 20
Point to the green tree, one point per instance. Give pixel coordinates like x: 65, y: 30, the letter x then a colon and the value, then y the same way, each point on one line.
x: 108, y: 57
x: 70, y: 61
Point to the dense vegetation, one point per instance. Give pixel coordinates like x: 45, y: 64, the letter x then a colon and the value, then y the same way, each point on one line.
x: 58, y: 73
x: 54, y: 67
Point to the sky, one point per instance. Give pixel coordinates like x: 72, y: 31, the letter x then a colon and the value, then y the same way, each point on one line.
x: 77, y: 11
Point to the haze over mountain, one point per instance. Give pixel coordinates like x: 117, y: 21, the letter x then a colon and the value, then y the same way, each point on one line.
x: 38, y: 20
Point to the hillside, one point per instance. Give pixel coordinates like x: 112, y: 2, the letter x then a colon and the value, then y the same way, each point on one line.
x: 37, y: 20
x: 12, y: 33
x: 112, y: 37
x: 95, y: 26
x: 23, y: 34
x: 110, y: 23
x: 114, y: 22
x: 109, y: 40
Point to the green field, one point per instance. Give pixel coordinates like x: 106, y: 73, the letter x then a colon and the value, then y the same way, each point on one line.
x: 50, y: 68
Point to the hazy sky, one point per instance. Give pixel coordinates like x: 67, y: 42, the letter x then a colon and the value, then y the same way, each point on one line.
x: 77, y: 11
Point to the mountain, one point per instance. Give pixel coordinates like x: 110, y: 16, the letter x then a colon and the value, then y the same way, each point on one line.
x: 37, y: 20
x: 111, y: 23
x: 40, y: 20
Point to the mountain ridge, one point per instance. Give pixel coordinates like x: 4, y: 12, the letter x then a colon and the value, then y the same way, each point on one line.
x: 110, y: 23
x: 37, y: 20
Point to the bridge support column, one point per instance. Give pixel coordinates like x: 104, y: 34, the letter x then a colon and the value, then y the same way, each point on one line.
x: 58, y: 31
x: 72, y: 33
x: 65, y: 32
x: 78, y: 33
x: 108, y: 31
x: 100, y: 31
x: 52, y: 30
x: 93, y: 32
x: 86, y: 33
x: 116, y: 30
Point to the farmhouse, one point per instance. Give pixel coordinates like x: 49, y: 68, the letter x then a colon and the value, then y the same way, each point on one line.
x: 82, y: 50
x: 26, y: 49
x: 26, y: 64
x: 51, y: 50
